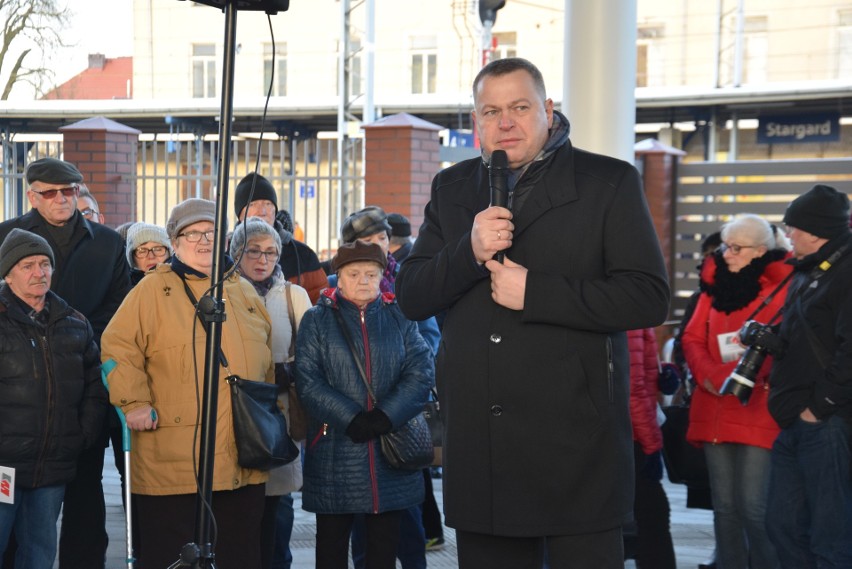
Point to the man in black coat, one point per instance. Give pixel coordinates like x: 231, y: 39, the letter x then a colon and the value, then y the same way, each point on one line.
x: 533, y: 368
x: 53, y: 402
x: 809, y: 510
x: 298, y: 262
x: 92, y: 275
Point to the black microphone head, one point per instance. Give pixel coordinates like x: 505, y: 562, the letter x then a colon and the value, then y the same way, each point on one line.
x: 499, y: 160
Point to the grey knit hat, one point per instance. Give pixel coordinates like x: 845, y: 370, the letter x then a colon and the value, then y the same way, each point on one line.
x: 252, y: 228
x: 368, y: 221
x: 141, y: 233
x: 188, y: 212
x: 53, y: 171
x: 20, y: 243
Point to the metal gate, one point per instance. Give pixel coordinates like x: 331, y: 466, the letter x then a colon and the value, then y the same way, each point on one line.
x: 311, y: 182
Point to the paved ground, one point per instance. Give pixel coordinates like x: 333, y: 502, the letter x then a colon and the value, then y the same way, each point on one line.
x: 692, y: 530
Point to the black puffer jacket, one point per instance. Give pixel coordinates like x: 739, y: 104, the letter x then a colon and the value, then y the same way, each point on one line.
x: 53, y: 401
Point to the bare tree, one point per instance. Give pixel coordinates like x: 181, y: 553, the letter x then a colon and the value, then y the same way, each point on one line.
x: 31, y: 34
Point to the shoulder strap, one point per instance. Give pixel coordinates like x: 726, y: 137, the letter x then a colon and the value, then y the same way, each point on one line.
x: 355, y: 355
x: 222, y: 359
x: 291, y: 313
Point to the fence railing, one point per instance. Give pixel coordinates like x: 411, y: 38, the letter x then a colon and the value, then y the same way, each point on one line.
x: 711, y: 193
x: 310, y: 181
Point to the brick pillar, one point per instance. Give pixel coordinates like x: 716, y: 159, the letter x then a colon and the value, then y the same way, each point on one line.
x: 401, y: 159
x: 105, y: 152
x: 659, y: 176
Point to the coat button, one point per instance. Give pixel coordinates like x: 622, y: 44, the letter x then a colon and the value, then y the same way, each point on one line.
x: 496, y: 410
x: 124, y: 401
x: 496, y: 338
x: 177, y: 419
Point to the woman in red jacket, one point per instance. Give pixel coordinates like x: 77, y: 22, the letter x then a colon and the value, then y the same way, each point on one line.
x: 746, y: 279
x: 653, y: 544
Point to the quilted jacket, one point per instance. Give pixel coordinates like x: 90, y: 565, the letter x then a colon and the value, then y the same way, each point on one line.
x: 342, y: 477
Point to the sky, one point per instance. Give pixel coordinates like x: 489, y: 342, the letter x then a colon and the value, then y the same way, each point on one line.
x: 96, y: 27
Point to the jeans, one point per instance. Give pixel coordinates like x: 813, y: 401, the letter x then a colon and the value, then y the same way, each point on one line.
x: 33, y: 517
x: 412, y: 540
x: 810, y: 495
x: 739, y: 484
x: 282, y: 557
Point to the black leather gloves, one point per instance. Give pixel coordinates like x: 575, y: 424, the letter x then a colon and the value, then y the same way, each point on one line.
x: 368, y: 425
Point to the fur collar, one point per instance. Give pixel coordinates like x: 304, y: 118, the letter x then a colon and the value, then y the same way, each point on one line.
x: 729, y: 291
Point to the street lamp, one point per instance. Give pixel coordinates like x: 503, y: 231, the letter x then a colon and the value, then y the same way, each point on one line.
x: 488, y: 15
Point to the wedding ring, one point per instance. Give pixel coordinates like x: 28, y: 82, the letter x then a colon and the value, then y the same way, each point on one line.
x: 498, y: 235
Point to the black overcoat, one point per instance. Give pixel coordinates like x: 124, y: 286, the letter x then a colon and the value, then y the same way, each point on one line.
x: 538, y: 436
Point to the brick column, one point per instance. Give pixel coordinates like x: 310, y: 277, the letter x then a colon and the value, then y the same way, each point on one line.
x: 401, y: 159
x: 105, y: 152
x: 659, y: 176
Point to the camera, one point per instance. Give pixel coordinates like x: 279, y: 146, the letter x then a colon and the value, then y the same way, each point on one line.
x: 761, y: 341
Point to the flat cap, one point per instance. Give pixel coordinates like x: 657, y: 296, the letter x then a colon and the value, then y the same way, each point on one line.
x: 53, y: 171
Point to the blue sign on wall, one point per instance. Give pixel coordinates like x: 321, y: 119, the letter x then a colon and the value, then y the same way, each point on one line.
x: 793, y: 129
x: 307, y: 189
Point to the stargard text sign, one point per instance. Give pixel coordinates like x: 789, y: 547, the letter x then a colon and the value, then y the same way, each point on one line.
x: 794, y: 129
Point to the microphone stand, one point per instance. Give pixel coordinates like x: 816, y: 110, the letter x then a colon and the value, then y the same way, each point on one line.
x: 200, y: 553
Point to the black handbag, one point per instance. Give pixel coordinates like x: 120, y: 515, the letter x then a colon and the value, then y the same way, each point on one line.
x: 410, y: 446
x: 685, y: 462
x: 260, y: 428
x: 432, y: 414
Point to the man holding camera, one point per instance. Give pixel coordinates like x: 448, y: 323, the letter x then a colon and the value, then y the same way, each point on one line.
x: 809, y: 515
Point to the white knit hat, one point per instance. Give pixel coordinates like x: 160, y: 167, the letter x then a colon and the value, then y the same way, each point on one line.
x: 141, y: 233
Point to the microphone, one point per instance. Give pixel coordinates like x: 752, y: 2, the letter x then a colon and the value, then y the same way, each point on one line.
x: 498, y: 174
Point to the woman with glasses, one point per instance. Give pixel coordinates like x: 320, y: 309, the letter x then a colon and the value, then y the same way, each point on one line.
x: 256, y: 246
x: 745, y: 279
x: 147, y: 246
x: 157, y: 345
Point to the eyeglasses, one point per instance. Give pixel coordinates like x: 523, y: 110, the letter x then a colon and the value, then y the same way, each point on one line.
x: 735, y: 249
x: 88, y: 213
x: 255, y: 254
x: 142, y: 252
x: 195, y: 236
x: 69, y: 192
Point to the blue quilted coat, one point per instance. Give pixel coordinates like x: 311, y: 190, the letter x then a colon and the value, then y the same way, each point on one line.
x: 342, y: 477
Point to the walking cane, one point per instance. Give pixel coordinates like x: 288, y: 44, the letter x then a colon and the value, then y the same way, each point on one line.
x: 106, y: 368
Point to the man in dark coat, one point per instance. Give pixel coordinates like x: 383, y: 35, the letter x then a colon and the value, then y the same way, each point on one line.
x: 533, y: 369
x: 53, y: 402
x: 809, y: 511
x: 92, y: 275
x: 299, y: 263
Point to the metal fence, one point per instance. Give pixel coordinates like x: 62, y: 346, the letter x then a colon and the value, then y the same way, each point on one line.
x: 307, y: 174
x: 709, y: 194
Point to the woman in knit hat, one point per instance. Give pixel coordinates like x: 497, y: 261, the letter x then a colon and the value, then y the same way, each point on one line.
x: 256, y: 245
x: 156, y: 343
x: 147, y: 246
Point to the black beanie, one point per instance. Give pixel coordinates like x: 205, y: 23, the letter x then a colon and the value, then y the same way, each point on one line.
x: 400, y: 226
x: 20, y: 243
x: 263, y: 190
x: 822, y: 211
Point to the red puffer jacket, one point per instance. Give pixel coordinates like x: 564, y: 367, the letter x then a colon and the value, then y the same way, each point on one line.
x: 723, y: 419
x: 643, y: 389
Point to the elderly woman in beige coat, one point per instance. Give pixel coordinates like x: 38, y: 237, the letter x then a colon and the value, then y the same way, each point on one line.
x: 158, y: 346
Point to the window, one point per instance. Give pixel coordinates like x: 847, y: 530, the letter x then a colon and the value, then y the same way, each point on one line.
x: 844, y: 45
x: 279, y: 59
x: 507, y: 45
x: 203, y: 70
x: 649, y: 56
x: 424, y: 64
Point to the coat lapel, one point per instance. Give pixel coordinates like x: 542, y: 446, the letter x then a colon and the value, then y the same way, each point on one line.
x: 556, y: 188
